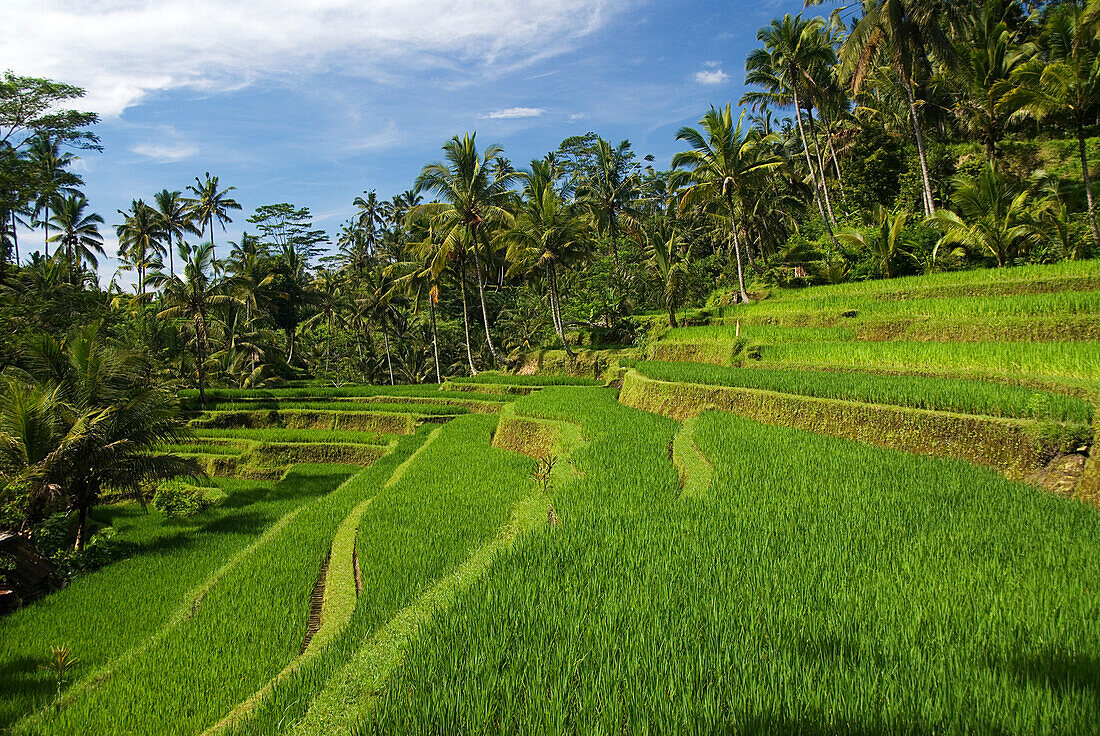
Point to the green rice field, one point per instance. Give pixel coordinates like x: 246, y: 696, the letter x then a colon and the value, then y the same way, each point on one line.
x: 919, y: 392
x: 533, y: 556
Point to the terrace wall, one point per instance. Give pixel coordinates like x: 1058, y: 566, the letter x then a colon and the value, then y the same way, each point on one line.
x: 1011, y: 446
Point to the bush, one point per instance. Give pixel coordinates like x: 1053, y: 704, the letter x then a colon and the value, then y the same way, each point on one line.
x: 175, y: 499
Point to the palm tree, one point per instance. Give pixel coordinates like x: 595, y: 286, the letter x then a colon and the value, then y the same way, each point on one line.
x: 47, y: 165
x: 794, y: 55
x: 140, y: 239
x: 193, y: 298
x: 354, y: 246
x: 173, y: 215
x: 378, y: 310
x: 107, y: 423
x: 1065, y: 85
x: 548, y: 234
x: 610, y: 191
x: 29, y: 434
x: 251, y: 281
x: 904, y: 32
x: 423, y: 282
x: 662, y: 240
x: 984, y: 74
x: 369, y: 220
x: 472, y: 204
x: 332, y: 303
x: 989, y: 216
x: 723, y: 162
x: 210, y: 204
x: 888, y: 243
x: 78, y: 233
x: 441, y: 253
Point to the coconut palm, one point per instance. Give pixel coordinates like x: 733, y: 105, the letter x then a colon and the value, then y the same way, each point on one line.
x: 1064, y: 84
x: 211, y: 204
x: 441, y: 254
x: 984, y: 75
x: 888, y: 243
x: 193, y: 298
x: 610, y: 191
x: 332, y: 304
x: 796, y: 52
x: 904, y: 33
x: 369, y: 220
x: 723, y: 162
x: 47, y: 165
x: 140, y: 239
x: 549, y: 234
x: 173, y: 216
x: 661, y: 237
x: 29, y: 434
x: 990, y: 216
x: 78, y: 233
x: 108, y: 422
x: 472, y: 204
x: 423, y: 283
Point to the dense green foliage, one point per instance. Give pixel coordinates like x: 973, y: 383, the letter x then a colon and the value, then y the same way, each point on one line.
x: 513, y: 380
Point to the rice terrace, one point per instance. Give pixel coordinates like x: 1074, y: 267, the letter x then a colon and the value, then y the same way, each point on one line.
x: 778, y: 419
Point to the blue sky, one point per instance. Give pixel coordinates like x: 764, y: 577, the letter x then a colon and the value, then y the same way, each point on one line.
x: 314, y: 101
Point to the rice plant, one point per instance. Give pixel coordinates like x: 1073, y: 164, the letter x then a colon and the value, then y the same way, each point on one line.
x: 920, y: 392
x: 1070, y: 363
x: 820, y: 586
x: 104, y: 614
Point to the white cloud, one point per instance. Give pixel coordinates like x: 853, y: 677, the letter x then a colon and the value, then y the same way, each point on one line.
x: 512, y: 113
x: 379, y: 139
x: 123, y: 50
x: 577, y: 116
x: 711, y: 76
x: 165, y: 152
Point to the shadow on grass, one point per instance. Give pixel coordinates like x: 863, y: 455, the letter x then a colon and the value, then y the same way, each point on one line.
x: 1060, y: 672
x: 21, y: 675
x: 833, y: 724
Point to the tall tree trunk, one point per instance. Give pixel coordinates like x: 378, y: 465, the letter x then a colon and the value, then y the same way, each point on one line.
x: 465, y: 314
x: 672, y: 317
x: 389, y: 362
x: 291, y: 343
x: 1088, y: 185
x: 555, y: 307
x: 821, y: 168
x: 81, y: 494
x: 484, y: 311
x: 200, y: 355
x: 611, y: 232
x: 15, y: 235
x: 926, y: 183
x: 46, y: 225
x: 810, y: 166
x: 435, y: 340
x: 836, y: 167
x: 737, y: 251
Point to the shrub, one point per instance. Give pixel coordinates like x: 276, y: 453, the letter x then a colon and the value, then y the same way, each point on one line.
x: 174, y: 499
